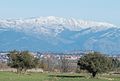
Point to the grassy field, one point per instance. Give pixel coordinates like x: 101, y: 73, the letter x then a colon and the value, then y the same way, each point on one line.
x: 9, y: 76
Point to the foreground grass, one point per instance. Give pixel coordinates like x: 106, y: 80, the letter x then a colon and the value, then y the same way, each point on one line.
x: 9, y: 76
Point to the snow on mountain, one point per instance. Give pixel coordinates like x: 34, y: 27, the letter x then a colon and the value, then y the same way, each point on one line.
x: 59, y: 34
x: 51, y: 25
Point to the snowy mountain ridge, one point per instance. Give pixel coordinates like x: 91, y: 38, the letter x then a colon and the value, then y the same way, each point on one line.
x: 59, y: 34
x: 71, y: 23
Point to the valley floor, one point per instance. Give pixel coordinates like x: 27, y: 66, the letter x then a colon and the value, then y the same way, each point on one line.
x: 10, y: 76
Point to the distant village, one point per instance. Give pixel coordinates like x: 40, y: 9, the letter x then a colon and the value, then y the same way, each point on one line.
x: 73, y: 55
x: 40, y: 55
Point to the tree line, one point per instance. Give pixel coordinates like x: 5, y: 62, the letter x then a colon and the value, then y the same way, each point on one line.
x: 93, y: 62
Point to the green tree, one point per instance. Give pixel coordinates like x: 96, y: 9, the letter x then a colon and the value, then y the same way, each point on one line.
x: 116, y: 63
x: 22, y: 60
x: 95, y: 63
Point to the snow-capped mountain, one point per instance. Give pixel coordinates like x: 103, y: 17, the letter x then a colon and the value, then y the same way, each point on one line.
x: 59, y: 34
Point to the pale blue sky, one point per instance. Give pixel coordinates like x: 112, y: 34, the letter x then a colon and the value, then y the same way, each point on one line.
x: 98, y: 10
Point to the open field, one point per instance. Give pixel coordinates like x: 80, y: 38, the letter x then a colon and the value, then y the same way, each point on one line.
x: 9, y: 76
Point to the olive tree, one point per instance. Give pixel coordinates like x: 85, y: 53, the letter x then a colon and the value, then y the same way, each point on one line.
x: 95, y: 63
x: 22, y: 60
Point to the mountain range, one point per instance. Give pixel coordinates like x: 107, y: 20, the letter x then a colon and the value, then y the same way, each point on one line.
x: 59, y: 34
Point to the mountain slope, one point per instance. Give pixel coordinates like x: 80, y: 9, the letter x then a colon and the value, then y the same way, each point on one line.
x: 59, y: 34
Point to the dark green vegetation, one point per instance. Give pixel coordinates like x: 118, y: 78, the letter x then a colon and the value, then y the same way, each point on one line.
x: 22, y: 60
x: 9, y: 76
x: 95, y: 63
